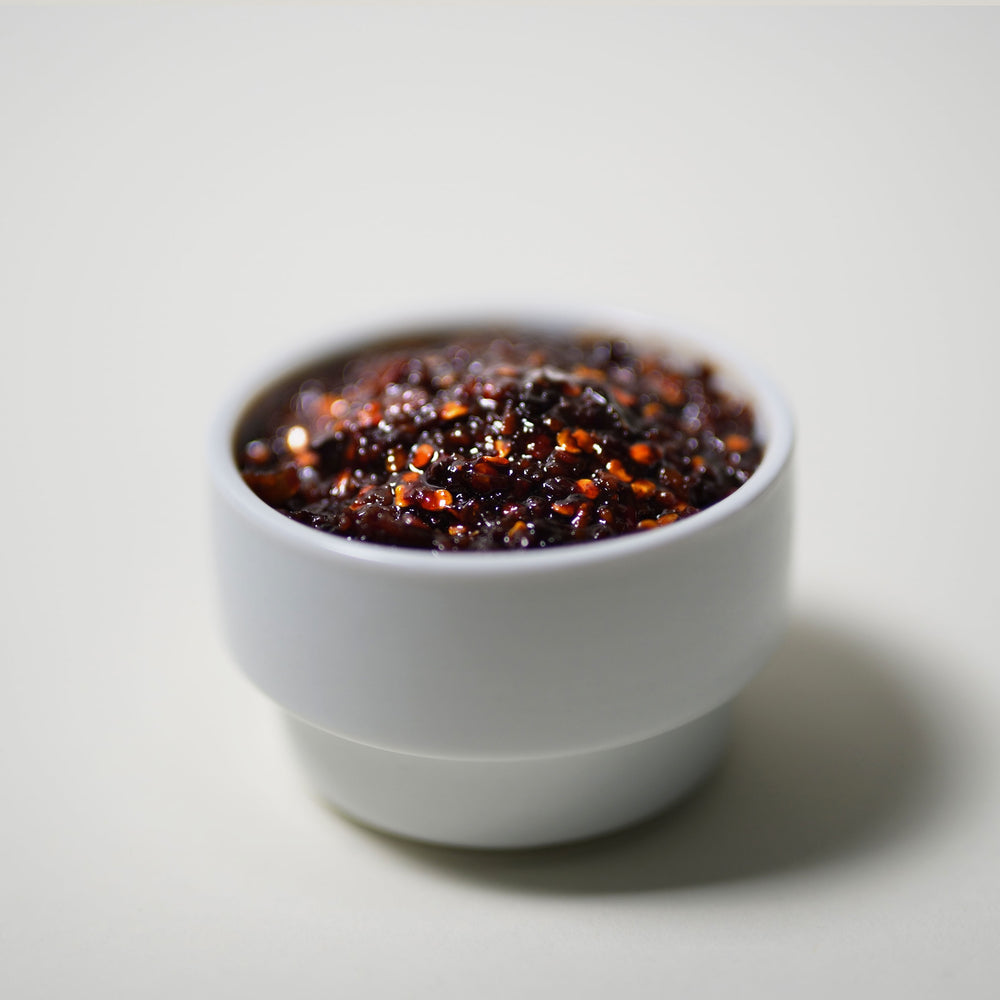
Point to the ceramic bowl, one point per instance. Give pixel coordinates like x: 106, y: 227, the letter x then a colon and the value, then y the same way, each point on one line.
x: 508, y: 699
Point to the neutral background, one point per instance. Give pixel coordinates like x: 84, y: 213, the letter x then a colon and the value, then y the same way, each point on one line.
x: 187, y: 190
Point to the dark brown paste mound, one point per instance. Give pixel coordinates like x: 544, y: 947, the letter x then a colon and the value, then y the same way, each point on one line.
x: 509, y: 442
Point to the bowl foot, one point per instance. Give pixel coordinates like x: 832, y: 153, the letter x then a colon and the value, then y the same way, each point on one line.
x: 516, y: 803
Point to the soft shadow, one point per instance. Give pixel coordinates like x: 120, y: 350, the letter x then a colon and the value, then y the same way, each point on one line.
x: 829, y: 756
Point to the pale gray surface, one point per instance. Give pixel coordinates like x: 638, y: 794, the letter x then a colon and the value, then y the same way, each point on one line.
x: 184, y: 191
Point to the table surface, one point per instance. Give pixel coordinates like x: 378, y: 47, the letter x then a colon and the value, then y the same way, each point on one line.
x: 188, y: 190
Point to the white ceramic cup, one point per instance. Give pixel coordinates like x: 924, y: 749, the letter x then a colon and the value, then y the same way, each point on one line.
x: 508, y: 699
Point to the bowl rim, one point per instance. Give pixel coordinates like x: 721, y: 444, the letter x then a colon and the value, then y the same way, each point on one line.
x: 683, y: 337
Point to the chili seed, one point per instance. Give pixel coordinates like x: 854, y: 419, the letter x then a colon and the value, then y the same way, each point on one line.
x: 436, y: 500
x: 643, y: 453
x: 618, y: 471
x: 422, y: 454
x: 452, y: 410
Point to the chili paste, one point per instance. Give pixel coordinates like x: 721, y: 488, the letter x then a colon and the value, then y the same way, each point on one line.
x: 503, y: 441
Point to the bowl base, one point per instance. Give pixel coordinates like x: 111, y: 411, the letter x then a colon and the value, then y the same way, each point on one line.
x: 505, y: 804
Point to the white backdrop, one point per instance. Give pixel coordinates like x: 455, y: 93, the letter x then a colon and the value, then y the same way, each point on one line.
x: 186, y: 189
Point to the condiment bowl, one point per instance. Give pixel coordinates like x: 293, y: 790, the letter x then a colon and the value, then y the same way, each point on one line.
x: 507, y: 699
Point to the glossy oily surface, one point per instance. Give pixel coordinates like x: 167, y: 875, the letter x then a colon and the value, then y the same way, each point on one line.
x: 500, y: 439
